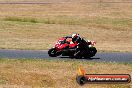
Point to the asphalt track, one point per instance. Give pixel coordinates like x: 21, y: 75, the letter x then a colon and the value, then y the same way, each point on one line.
x: 42, y: 54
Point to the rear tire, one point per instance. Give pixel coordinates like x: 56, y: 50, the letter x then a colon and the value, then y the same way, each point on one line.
x: 52, y: 52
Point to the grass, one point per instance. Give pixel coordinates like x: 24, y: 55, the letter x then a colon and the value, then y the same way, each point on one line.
x: 35, y: 26
x: 20, y: 20
x: 32, y: 73
x: 39, y: 35
x: 65, y: 20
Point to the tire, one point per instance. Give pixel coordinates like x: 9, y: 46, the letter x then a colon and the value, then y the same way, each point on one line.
x: 81, y: 80
x: 93, y: 51
x: 52, y: 52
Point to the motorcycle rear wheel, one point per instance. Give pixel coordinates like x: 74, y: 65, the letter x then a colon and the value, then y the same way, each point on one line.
x: 92, y: 51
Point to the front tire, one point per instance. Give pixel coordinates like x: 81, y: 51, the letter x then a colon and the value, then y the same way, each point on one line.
x: 52, y: 52
x: 93, y: 51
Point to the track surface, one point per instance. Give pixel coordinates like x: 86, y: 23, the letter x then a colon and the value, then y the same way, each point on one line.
x: 37, y: 54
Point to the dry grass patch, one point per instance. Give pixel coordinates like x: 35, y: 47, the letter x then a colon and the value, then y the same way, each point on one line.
x: 28, y: 35
x: 37, y: 26
x: 56, y: 73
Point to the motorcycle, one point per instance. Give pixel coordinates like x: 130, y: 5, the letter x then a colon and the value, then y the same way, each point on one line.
x: 65, y: 47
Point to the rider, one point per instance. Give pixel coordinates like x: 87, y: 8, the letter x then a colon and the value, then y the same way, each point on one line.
x: 76, y: 39
x: 81, y: 45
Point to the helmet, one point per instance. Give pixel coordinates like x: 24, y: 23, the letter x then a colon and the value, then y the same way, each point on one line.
x: 75, y: 35
x: 75, y: 38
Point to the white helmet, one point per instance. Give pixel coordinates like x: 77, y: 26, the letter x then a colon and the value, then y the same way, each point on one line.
x: 75, y: 35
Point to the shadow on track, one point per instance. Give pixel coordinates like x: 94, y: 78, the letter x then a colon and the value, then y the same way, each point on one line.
x: 91, y: 58
x: 80, y: 58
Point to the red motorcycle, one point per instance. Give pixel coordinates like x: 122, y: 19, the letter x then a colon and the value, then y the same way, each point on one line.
x: 65, y: 47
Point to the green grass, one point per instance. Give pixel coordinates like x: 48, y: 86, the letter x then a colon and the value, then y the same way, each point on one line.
x: 56, y: 20
x: 125, y: 22
x: 31, y: 20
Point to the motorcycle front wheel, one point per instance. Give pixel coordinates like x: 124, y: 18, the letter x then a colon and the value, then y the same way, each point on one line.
x: 52, y: 52
x: 93, y: 51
